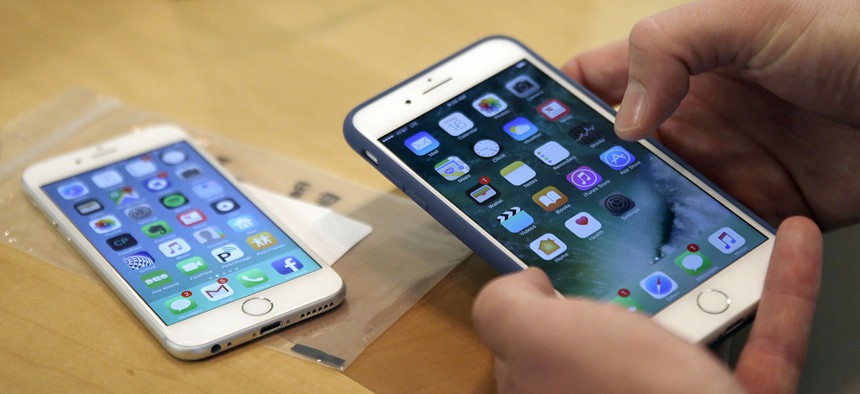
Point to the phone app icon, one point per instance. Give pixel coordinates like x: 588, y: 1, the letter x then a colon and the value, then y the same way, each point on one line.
x: 141, y: 167
x: 617, y: 204
x: 207, y: 189
x: 584, y: 178
x: 515, y: 219
x: 517, y: 173
x: 208, y: 235
x: 121, y: 242
x: 139, y: 212
x: 107, y: 178
x: 452, y: 168
x: 628, y: 303
x: 287, y: 265
x: 553, y: 110
x: 522, y: 86
x: 548, y: 246
x: 456, y: 124
x: 138, y: 261
x: 726, y: 240
x: 174, y: 200
x: 262, y: 240
x: 174, y: 247
x: 156, y: 229
x: 486, y: 148
x: 189, y: 172
x: 489, y: 105
x: 421, y: 143
x: 88, y: 207
x: 72, y: 190
x: 482, y: 193
x: 658, y: 285
x: 549, y: 198
x: 227, y: 253
x: 173, y: 157
x: 617, y: 158
x: 217, y: 291
x: 192, y: 266
x: 585, y: 134
x: 191, y: 217
x: 583, y: 225
x: 124, y: 195
x: 552, y: 153
x: 156, y: 279
x: 253, y: 277
x: 180, y: 305
x: 693, y: 263
x: 520, y: 128
x: 242, y: 223
x: 225, y: 205
x: 105, y: 224
x: 157, y: 183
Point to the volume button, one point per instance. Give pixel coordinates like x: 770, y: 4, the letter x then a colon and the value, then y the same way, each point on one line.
x: 415, y: 198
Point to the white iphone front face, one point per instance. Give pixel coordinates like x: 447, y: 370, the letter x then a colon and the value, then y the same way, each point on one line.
x: 534, y: 164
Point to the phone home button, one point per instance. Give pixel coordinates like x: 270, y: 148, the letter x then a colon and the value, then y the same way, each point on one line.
x: 713, y: 301
x: 257, y: 306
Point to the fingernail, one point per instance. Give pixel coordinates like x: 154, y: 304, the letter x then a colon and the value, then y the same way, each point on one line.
x: 632, y: 109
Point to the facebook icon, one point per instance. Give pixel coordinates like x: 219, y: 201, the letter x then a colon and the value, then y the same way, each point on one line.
x: 287, y: 265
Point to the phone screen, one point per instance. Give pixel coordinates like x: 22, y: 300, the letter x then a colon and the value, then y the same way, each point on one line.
x: 178, y: 232
x: 545, y: 175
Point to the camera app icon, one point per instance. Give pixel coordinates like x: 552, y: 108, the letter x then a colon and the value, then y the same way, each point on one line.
x: 522, y: 86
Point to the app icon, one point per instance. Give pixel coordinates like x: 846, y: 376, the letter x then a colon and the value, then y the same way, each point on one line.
x: 252, y: 277
x: 658, y: 285
x: 88, y: 207
x: 242, y: 223
x: 628, y: 303
x: 174, y: 200
x: 584, y: 134
x: 584, y: 178
x: 157, y: 183
x: 482, y: 194
x: 726, y: 240
x: 124, y: 195
x: 522, y: 86
x: 156, y: 229
x: 156, y: 279
x: 452, y: 168
x: 553, y: 110
x: 551, y: 153
x: 617, y: 158
x: 225, y: 205
x: 72, y: 190
x: 515, y: 219
x: 105, y: 224
x: 287, y: 265
x: 174, y: 247
x: 138, y: 261
x: 216, y: 291
x: 173, y: 157
x: 617, y: 204
x: 489, y: 105
x: 191, y: 217
x: 207, y: 189
x: 262, y: 240
x: 139, y: 212
x: 583, y: 225
x: 549, y: 198
x: 517, y: 173
x: 140, y: 167
x: 421, y: 143
x: 180, y: 305
x: 456, y: 124
x: 208, y: 234
x: 548, y: 246
x: 121, y: 242
x: 192, y: 266
x: 486, y: 148
x: 227, y: 253
x: 693, y: 263
x: 189, y: 172
x: 520, y: 128
x: 106, y: 179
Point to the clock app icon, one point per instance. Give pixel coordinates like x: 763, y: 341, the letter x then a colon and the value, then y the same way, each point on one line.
x: 487, y: 148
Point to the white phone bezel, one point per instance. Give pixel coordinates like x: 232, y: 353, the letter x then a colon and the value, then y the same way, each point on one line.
x: 742, y: 280
x: 228, y: 324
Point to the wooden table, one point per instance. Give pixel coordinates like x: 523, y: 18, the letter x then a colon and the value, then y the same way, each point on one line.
x: 276, y: 75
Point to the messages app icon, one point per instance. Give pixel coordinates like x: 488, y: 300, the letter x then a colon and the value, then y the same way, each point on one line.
x: 421, y: 143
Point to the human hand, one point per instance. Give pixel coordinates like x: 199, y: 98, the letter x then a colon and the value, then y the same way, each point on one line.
x: 761, y: 96
x: 543, y: 343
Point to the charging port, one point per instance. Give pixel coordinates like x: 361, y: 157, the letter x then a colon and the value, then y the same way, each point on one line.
x: 269, y: 328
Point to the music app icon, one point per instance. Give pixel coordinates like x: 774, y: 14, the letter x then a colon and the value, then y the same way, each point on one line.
x: 174, y: 247
x: 726, y: 240
x: 584, y: 178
